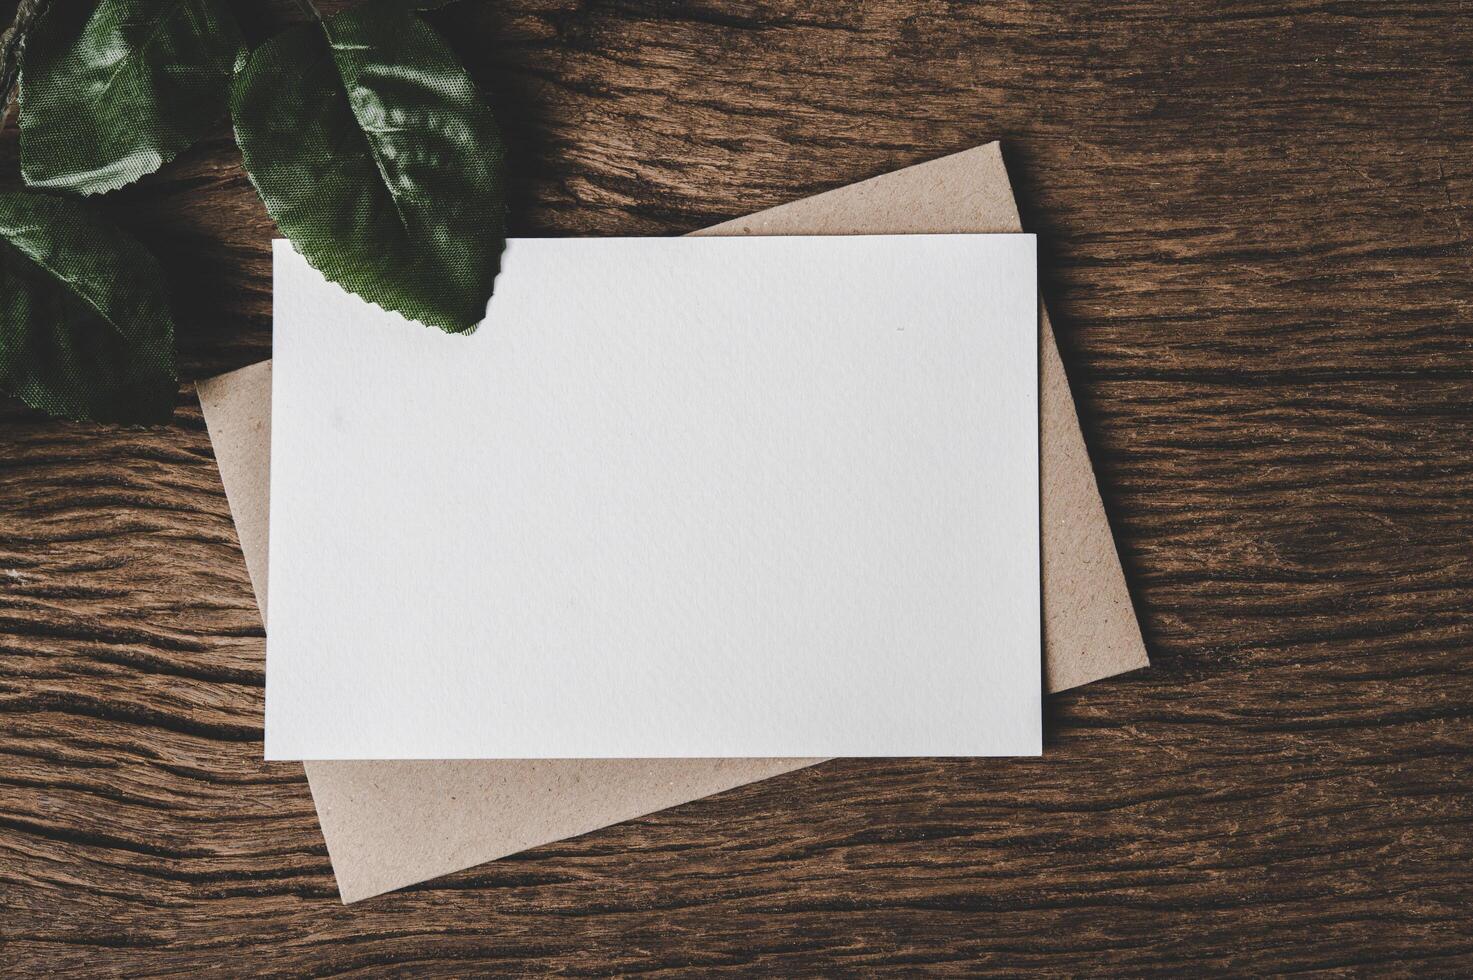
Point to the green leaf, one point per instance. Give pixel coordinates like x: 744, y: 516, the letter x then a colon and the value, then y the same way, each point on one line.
x: 109, y: 97
x: 378, y: 158
x: 85, y: 328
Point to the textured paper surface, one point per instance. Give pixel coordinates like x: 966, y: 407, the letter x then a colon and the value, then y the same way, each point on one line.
x: 675, y: 498
x: 392, y: 824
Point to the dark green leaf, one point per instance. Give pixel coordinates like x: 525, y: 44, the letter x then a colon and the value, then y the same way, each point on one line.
x: 109, y: 97
x: 85, y: 329
x: 379, y: 160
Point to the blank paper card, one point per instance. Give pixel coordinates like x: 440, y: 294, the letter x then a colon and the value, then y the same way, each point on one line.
x: 690, y: 497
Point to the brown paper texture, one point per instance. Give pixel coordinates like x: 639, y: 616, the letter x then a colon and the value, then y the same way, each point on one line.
x: 394, y: 823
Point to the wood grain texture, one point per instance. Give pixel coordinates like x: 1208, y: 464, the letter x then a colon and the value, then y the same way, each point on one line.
x: 1255, y: 223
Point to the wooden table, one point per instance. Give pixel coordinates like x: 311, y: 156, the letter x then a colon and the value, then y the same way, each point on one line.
x: 1255, y: 227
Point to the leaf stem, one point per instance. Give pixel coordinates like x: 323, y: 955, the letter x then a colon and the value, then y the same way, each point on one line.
x: 13, y: 45
x: 310, y: 9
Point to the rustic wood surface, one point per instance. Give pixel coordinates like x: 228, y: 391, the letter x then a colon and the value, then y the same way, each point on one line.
x: 1255, y: 220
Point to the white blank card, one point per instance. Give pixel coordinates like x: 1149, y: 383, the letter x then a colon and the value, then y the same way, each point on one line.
x: 692, y: 497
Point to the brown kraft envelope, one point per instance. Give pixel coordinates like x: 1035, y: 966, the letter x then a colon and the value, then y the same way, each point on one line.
x: 394, y: 823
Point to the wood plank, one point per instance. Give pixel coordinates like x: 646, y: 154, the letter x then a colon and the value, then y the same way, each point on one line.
x: 1255, y: 226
